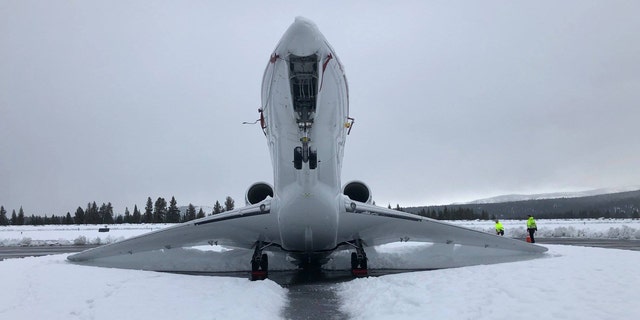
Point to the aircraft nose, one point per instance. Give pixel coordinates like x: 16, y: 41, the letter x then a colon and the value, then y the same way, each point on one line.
x: 301, y: 39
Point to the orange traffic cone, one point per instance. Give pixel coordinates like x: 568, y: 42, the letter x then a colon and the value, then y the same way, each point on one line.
x: 529, y: 238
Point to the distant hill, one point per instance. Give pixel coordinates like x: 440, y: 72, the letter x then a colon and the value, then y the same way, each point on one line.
x: 611, y: 205
x: 554, y: 195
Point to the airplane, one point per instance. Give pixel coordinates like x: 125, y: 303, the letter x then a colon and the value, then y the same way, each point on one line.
x: 307, y: 213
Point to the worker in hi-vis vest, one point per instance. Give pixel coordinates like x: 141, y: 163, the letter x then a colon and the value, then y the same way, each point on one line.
x: 531, y: 227
x: 499, y: 228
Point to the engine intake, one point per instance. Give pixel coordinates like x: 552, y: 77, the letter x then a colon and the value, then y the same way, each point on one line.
x: 358, y: 191
x: 258, y: 192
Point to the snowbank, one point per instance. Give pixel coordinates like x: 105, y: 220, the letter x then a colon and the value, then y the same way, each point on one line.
x: 566, y: 283
x: 571, y: 283
x: 51, y: 288
x: 570, y: 228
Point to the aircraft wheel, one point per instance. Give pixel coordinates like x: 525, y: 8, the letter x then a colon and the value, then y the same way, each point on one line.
x: 313, y: 159
x: 264, y: 262
x: 297, y: 158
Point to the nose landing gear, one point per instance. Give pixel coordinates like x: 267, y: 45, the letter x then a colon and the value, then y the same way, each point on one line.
x: 305, y: 154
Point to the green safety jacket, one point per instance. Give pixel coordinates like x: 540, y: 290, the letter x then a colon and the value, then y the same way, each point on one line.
x: 531, y: 224
x: 499, y: 226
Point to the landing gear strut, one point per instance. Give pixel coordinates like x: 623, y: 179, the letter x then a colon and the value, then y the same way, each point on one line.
x: 359, y: 260
x: 259, y: 263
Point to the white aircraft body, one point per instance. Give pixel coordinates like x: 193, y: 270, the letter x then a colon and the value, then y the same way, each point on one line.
x: 306, y: 213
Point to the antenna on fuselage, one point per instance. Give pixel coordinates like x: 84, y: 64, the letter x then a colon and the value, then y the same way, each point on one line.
x: 263, y: 125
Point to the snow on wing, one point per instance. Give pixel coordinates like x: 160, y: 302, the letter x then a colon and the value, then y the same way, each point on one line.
x: 239, y: 228
x: 376, y: 225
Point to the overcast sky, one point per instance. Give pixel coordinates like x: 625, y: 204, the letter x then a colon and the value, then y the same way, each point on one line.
x: 117, y: 101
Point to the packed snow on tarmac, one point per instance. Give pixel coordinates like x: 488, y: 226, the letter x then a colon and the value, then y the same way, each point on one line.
x: 565, y: 283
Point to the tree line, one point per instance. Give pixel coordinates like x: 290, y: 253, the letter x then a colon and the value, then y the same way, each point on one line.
x: 465, y: 213
x: 154, y: 212
x: 446, y: 213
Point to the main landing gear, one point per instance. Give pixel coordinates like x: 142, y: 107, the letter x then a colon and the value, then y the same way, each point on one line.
x: 259, y: 262
x: 359, y: 260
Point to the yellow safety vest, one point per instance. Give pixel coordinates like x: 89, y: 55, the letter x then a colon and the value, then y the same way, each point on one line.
x: 531, y: 224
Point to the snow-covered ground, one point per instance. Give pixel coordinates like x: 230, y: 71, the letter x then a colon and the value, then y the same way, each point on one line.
x: 88, y: 234
x: 71, y: 234
x: 565, y: 283
x: 570, y: 228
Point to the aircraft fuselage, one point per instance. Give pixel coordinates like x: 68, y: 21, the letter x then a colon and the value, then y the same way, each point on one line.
x: 305, y: 109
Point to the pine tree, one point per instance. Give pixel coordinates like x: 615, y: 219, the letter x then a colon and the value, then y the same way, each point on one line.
x: 14, y: 218
x: 68, y: 219
x: 200, y: 214
x: 173, y: 214
x: 106, y: 213
x: 127, y: 215
x: 217, y: 208
x: 79, y: 216
x: 88, y: 218
x: 159, y: 211
x: 102, y: 212
x: 137, y: 217
x: 91, y: 214
x: 191, y: 213
x: 228, y: 204
x: 148, y: 212
x: 3, y: 217
x: 20, y: 220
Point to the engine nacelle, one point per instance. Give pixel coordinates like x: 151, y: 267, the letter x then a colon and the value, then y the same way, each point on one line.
x: 258, y: 192
x: 358, y: 191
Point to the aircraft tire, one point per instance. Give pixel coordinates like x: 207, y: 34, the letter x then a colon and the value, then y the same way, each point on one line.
x: 354, y: 260
x: 313, y: 160
x: 264, y: 262
x: 297, y: 158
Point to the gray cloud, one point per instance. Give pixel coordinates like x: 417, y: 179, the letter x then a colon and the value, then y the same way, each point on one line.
x: 116, y: 102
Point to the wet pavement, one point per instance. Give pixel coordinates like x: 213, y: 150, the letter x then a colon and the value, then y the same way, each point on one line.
x: 312, y: 294
x: 625, y: 244
x: 37, y: 251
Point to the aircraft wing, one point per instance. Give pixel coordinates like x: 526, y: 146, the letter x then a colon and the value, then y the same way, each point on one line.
x: 239, y: 228
x: 376, y: 225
